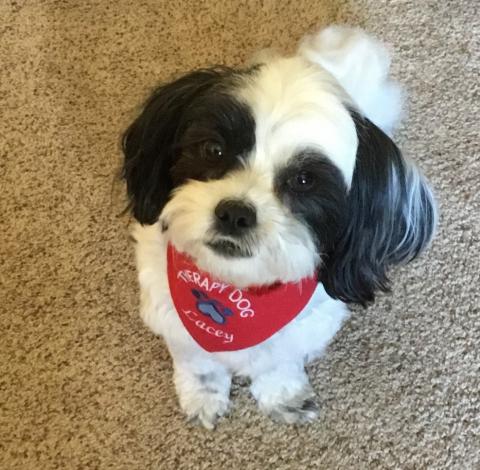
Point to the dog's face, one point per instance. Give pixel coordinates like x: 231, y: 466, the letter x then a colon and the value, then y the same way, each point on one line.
x: 269, y: 174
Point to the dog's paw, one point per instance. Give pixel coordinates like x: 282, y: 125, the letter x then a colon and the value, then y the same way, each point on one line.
x: 204, y: 398
x: 285, y: 395
x: 206, y: 408
x: 300, y: 409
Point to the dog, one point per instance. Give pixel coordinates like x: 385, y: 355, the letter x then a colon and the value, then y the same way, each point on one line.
x: 265, y: 200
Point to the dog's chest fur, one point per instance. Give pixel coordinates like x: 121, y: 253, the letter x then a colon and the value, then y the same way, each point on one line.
x: 304, y: 338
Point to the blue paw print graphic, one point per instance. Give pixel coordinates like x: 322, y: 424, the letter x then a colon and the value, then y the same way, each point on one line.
x: 211, y: 307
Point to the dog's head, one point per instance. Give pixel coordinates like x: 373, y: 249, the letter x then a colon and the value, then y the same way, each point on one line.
x: 272, y: 174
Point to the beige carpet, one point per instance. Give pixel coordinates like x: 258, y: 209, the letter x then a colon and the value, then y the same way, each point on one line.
x: 83, y: 385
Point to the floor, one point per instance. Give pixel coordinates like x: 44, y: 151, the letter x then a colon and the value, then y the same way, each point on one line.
x: 83, y: 385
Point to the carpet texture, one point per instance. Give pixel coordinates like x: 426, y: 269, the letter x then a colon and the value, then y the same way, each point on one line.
x: 83, y: 384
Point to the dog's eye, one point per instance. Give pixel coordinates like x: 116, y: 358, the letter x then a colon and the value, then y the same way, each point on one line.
x: 302, y: 181
x: 212, y: 149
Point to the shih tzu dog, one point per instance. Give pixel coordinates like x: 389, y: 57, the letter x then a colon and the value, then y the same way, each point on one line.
x: 265, y: 200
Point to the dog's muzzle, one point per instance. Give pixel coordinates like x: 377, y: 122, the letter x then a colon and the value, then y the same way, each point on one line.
x: 234, y: 221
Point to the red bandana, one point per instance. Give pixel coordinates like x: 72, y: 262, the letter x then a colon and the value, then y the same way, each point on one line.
x: 220, y: 317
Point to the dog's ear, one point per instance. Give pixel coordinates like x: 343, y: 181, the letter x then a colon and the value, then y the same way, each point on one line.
x: 391, y: 218
x: 149, y: 143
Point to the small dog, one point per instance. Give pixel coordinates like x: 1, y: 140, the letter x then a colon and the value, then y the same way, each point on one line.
x: 266, y: 199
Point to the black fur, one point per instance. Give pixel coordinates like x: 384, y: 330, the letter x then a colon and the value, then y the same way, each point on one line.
x: 359, y: 232
x: 323, y: 205
x: 163, y: 146
x: 377, y: 232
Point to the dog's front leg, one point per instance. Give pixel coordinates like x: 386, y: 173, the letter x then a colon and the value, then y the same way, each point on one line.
x: 203, y: 388
x: 285, y: 394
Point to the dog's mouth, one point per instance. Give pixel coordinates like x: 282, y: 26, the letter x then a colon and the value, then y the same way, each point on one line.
x: 229, y: 249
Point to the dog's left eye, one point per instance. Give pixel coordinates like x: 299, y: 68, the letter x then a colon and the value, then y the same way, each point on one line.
x: 213, y: 149
x: 303, y: 181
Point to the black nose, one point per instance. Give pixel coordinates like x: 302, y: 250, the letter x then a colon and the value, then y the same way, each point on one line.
x: 234, y: 217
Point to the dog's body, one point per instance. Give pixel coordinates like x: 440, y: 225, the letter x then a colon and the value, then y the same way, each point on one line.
x: 274, y: 174
x: 276, y: 366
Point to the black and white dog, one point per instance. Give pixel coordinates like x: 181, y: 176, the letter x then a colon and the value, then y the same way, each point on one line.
x: 266, y: 199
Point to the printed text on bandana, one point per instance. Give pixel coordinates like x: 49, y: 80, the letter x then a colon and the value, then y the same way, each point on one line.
x: 222, y: 317
x: 235, y: 295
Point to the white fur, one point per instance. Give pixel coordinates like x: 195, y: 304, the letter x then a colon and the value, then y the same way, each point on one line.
x: 282, y: 248
x: 361, y: 65
x: 296, y: 104
x: 275, y: 366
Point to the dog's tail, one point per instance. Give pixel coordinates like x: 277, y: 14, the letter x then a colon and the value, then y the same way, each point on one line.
x: 361, y: 64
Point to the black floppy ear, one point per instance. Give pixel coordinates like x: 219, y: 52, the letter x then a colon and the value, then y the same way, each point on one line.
x: 391, y: 218
x: 149, y: 143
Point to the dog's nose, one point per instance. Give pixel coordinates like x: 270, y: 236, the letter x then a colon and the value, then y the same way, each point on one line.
x: 235, y: 217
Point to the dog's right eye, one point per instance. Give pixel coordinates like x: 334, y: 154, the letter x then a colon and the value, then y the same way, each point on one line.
x: 302, y: 182
x: 212, y: 149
